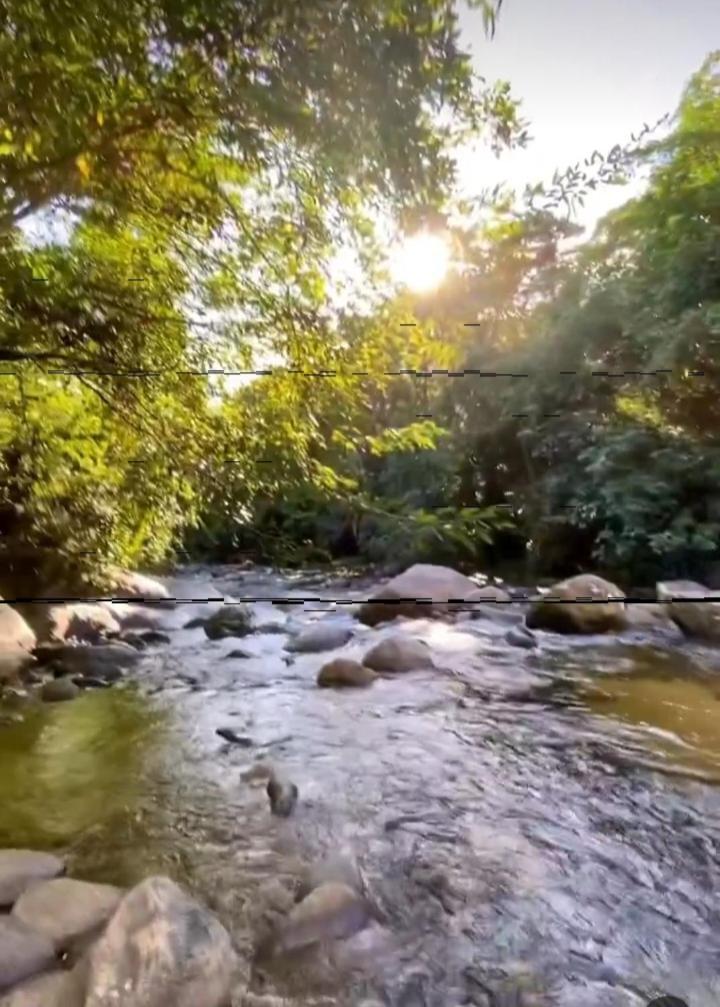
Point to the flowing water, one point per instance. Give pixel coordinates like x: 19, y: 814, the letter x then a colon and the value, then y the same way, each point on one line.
x: 533, y: 827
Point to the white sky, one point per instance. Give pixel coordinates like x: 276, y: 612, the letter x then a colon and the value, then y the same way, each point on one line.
x: 589, y: 74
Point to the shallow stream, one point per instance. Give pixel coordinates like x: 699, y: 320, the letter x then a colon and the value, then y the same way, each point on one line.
x: 544, y: 821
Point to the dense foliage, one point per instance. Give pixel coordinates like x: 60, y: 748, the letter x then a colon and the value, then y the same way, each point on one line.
x: 201, y: 164
x: 203, y: 160
x: 583, y: 390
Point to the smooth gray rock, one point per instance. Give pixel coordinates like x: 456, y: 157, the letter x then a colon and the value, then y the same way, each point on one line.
x: 399, y: 653
x: 283, y: 795
x: 23, y: 952
x: 322, y: 636
x: 67, y: 911
x: 423, y: 589
x: 230, y: 620
x: 20, y: 868
x: 59, y: 690
x: 689, y: 605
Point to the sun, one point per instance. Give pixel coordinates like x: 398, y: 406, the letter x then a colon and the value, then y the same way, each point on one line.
x: 421, y: 262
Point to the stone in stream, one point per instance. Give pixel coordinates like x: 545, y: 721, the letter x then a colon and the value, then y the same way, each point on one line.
x: 52, y: 989
x: 67, y: 911
x: 23, y: 952
x: 231, y: 735
x: 688, y: 607
x: 144, y: 638
x: 238, y: 653
x: 107, y: 661
x: 331, y: 912
x: 160, y: 949
x: 81, y: 621
x: 399, y: 653
x: 521, y: 636
x: 322, y: 636
x: 126, y: 585
x: 283, y: 795
x: 21, y: 868
x: 582, y: 604
x: 422, y: 590
x: 230, y: 620
x: 59, y: 690
x: 345, y: 673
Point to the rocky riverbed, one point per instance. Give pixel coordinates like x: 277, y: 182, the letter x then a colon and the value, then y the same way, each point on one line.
x: 516, y: 820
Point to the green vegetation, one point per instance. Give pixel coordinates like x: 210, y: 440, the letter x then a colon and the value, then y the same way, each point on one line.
x: 206, y: 161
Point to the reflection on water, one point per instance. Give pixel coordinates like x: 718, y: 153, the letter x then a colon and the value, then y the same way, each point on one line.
x: 681, y: 714
x: 79, y: 769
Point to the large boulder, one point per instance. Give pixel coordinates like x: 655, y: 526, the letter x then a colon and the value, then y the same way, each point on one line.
x: 234, y: 619
x: 580, y: 604
x: 345, y: 673
x: 160, y: 949
x: 81, y: 621
x: 651, y: 617
x: 16, y: 641
x: 66, y: 911
x: 136, y: 586
x: 321, y: 636
x: 492, y: 602
x: 689, y: 605
x: 399, y: 653
x: 21, y: 868
x: 421, y: 590
x: 23, y: 952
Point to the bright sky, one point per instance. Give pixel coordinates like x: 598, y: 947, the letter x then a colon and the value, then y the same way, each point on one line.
x: 589, y: 73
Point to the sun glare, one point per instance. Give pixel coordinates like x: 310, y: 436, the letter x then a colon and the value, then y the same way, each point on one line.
x: 421, y: 262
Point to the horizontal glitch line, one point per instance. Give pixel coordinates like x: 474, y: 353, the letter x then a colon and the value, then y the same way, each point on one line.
x: 161, y: 602
x: 433, y: 372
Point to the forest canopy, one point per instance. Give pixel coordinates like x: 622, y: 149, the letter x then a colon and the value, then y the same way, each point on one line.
x: 205, y: 163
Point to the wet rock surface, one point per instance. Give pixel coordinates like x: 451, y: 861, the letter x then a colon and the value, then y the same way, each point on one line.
x: 344, y: 673
x: 21, y: 868
x: 65, y: 910
x: 230, y: 620
x: 59, y: 690
x: 318, y: 638
x: 160, y: 948
x: 529, y: 826
x: 398, y: 653
x: 582, y: 604
x: 23, y: 952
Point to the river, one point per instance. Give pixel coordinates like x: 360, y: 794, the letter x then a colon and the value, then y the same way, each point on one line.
x: 534, y: 827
